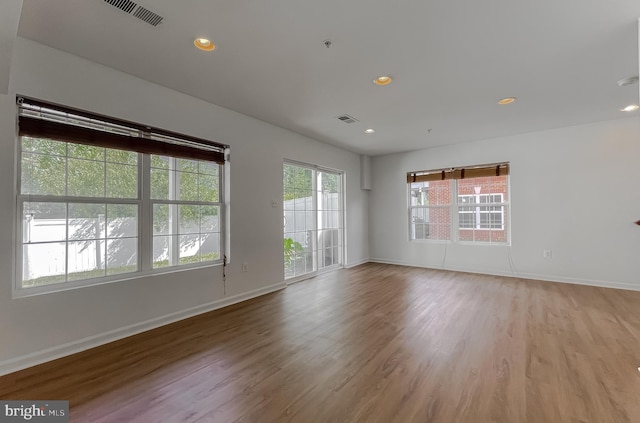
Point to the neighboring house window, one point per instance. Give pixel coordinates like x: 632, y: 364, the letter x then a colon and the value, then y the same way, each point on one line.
x: 463, y: 204
x: 99, y: 198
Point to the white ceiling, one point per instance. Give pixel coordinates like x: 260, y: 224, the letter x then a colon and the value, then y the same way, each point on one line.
x: 450, y: 61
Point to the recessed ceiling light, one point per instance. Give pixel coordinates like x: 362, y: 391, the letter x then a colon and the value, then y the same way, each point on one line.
x: 382, y: 80
x: 506, y: 100
x: 369, y: 131
x: 630, y: 108
x: 204, y: 44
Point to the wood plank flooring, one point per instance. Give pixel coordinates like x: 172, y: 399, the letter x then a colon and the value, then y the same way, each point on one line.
x: 377, y: 343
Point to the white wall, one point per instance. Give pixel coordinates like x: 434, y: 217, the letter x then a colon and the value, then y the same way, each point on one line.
x: 38, y: 328
x: 9, y: 18
x: 574, y: 190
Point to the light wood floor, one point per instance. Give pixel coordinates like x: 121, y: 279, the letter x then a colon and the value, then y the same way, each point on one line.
x: 377, y: 343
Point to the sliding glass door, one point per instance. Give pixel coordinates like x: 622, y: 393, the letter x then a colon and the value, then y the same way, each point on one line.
x: 313, y: 219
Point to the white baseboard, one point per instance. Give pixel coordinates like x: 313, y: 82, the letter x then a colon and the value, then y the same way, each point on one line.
x: 580, y: 281
x: 356, y: 263
x: 534, y: 276
x: 49, y: 354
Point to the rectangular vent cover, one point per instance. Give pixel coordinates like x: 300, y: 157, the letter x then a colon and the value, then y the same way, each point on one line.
x: 126, y: 5
x: 148, y: 16
x: 347, y: 119
x: 139, y: 12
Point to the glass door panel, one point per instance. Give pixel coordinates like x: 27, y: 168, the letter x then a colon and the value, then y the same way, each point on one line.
x: 313, y: 222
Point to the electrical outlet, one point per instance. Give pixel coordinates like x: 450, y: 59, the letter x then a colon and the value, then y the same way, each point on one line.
x: 546, y: 254
x: 274, y: 203
x: 245, y: 267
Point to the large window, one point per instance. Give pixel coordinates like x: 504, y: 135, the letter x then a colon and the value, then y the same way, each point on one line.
x: 313, y: 222
x: 98, y: 198
x: 465, y: 204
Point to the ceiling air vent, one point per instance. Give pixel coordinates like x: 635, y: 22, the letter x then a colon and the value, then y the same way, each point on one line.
x: 347, y: 119
x: 126, y: 5
x: 139, y: 12
x: 148, y: 16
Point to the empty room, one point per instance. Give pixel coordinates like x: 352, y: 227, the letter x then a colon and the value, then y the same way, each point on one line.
x: 297, y: 211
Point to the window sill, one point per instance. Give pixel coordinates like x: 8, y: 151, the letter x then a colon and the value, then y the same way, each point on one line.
x: 473, y: 243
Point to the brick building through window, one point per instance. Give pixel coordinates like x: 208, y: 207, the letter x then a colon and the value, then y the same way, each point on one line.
x: 472, y: 209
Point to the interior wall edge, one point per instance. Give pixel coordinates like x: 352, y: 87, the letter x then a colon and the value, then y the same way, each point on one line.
x: 356, y: 263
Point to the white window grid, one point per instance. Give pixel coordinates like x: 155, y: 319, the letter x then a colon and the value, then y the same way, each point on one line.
x: 143, y: 237
x: 420, y: 212
x: 175, y: 205
x: 489, y: 204
x: 479, y: 211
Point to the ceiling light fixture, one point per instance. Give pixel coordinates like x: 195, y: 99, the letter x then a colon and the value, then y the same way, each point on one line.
x: 382, y: 80
x: 630, y: 108
x: 204, y: 44
x: 506, y: 100
x: 369, y: 131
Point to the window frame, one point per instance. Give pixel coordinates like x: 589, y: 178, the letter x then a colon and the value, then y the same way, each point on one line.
x: 478, y: 226
x: 144, y: 208
x: 453, y: 176
x: 220, y: 204
x: 427, y: 208
x: 316, y: 250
